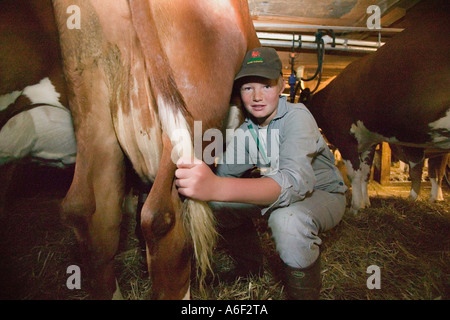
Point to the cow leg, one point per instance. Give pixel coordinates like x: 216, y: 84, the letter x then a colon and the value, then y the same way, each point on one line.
x: 355, y: 177
x: 168, y: 248
x: 93, y: 207
x: 358, y: 171
x: 415, y: 159
x: 366, y: 160
x: 415, y: 174
x: 436, y: 171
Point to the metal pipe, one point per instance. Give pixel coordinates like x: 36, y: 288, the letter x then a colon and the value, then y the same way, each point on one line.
x: 262, y: 26
x: 288, y: 44
x: 288, y: 37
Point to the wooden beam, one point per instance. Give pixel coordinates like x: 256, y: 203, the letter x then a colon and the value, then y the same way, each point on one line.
x: 303, y: 21
x: 392, y: 16
x: 382, y: 164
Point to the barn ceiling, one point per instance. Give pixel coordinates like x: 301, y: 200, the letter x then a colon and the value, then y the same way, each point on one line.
x: 279, y: 22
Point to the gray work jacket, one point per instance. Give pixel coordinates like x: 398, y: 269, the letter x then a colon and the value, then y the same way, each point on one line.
x: 299, y: 158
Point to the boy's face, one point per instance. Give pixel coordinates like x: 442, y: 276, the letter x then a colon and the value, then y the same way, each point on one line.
x: 260, y: 97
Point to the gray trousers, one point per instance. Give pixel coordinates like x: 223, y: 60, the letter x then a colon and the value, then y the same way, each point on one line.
x: 295, y: 229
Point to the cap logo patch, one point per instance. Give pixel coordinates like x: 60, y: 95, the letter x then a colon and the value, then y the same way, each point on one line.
x: 256, y: 58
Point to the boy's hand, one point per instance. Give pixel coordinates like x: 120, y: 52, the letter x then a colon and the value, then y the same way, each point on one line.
x: 196, y: 180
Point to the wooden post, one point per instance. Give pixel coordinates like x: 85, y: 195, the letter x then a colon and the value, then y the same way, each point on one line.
x: 382, y: 163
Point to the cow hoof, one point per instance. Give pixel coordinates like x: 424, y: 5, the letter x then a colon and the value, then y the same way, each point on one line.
x: 413, y: 195
x: 117, y: 294
x: 187, y: 296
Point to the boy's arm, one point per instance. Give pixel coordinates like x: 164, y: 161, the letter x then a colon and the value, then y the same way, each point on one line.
x: 197, y: 181
x: 258, y: 191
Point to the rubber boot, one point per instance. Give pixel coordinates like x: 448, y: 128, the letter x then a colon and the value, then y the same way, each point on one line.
x: 303, y: 284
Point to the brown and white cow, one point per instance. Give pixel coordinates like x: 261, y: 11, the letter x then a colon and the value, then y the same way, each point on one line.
x: 399, y: 95
x: 34, y: 121
x: 138, y: 72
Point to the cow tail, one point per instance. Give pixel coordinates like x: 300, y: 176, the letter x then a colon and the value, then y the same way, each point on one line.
x: 159, y: 71
x: 200, y: 223
x: 198, y: 218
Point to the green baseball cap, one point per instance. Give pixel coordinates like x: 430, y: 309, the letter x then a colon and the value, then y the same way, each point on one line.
x: 261, y: 62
